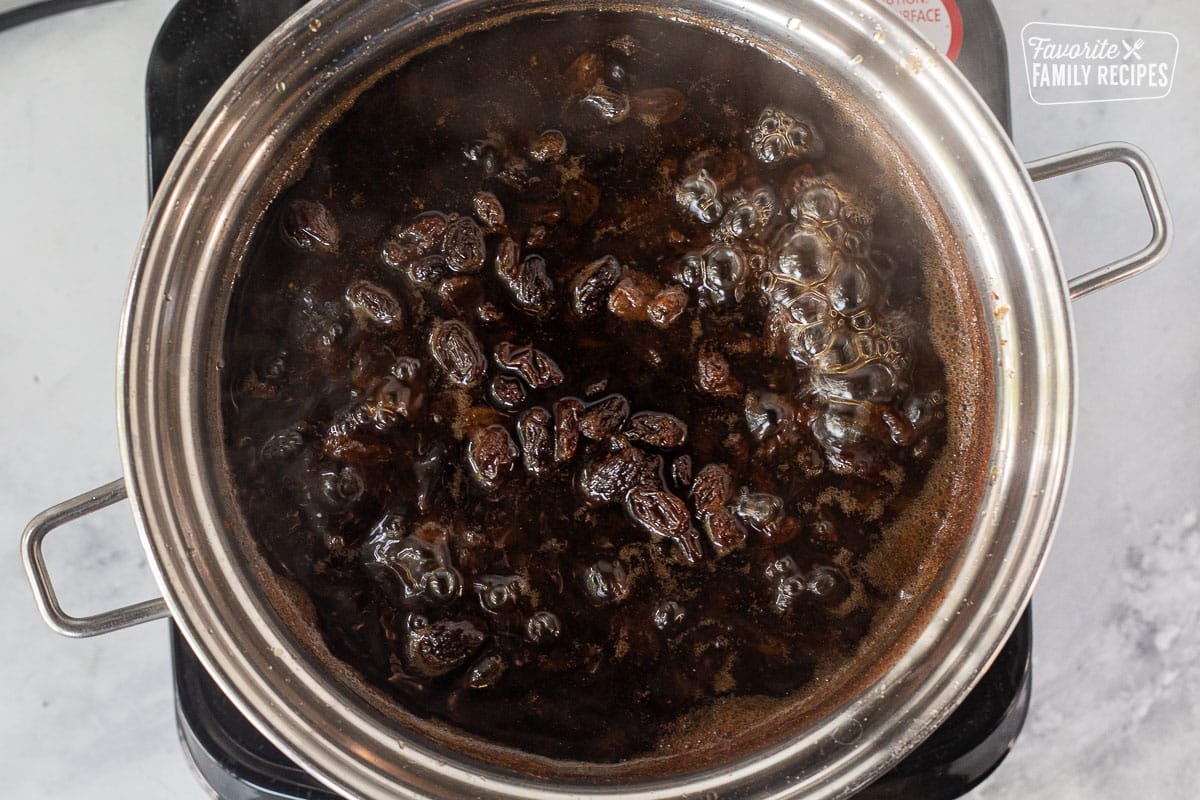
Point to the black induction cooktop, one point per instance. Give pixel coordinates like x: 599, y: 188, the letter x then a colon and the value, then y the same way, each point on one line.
x: 200, y: 43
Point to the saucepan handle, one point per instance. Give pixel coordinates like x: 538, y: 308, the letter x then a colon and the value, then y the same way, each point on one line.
x: 1152, y: 195
x: 39, y: 577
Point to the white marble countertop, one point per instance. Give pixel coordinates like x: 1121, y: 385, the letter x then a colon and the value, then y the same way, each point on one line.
x: 1116, y: 700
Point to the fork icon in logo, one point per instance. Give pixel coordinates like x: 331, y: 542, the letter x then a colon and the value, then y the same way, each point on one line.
x: 1132, y: 50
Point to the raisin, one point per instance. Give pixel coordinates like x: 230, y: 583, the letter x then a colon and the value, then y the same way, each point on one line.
x: 373, y: 302
x: 712, y: 488
x: 534, y: 432
x: 664, y: 431
x: 605, y: 417
x: 438, y: 648
x: 507, y: 392
x: 534, y: 367
x: 584, y: 72
x: 590, y: 290
x: 464, y: 247
x: 529, y: 284
x: 607, y: 479
x: 715, y: 377
x: 656, y: 107
x: 426, y: 272
x: 491, y: 454
x: 658, y: 512
x: 723, y: 532
x: 308, y: 226
x: 488, y: 209
x: 457, y: 351
x: 567, y: 413
x: 667, y: 306
x: 550, y: 145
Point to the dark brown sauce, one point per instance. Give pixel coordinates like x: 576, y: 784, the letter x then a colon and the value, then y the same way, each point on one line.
x: 578, y: 377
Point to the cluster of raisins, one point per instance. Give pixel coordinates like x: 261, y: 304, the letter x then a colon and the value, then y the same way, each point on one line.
x: 490, y: 506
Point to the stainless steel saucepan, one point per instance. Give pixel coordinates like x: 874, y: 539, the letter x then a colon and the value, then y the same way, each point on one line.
x: 169, y: 376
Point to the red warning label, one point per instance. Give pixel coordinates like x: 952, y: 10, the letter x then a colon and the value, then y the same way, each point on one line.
x: 936, y: 20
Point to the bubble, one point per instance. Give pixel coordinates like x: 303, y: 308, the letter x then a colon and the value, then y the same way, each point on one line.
x: 605, y: 104
x: 778, y: 136
x: 669, y: 616
x: 606, y: 582
x: 874, y: 382
x: 802, y: 253
x: 807, y: 343
x: 758, y: 509
x: 690, y: 270
x: 764, y: 411
x: 788, y: 590
x: 700, y: 196
x: 719, y: 274
x: 342, y: 487
x: 485, y: 153
x: 411, y: 566
x: 820, y: 203
x: 856, y: 243
x: 542, y: 627
x: 852, y: 287
x: 840, y: 354
x: 863, y: 321
x: 406, y: 368
x: 498, y: 593
x: 486, y: 672
x: 282, y: 445
x: 780, y: 291
x: 739, y: 222
x: 749, y: 216
x: 826, y: 582
x: 443, y: 584
x: 840, y: 425
x: 809, y: 309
